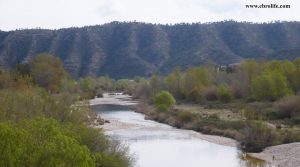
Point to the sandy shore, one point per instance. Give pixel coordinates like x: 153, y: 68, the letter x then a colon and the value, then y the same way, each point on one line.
x: 286, y: 155
x: 117, y: 99
x: 217, y: 139
x: 116, y: 125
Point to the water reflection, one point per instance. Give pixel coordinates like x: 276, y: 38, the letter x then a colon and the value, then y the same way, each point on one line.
x: 248, y: 161
x: 156, y: 144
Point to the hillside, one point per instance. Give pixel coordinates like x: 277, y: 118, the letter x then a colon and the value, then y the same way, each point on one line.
x: 140, y: 49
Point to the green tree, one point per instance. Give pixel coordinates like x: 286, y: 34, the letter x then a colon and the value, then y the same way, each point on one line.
x: 87, y: 84
x: 194, y: 82
x: 12, y: 146
x: 47, y: 71
x: 295, y: 81
x: 174, y: 82
x: 164, y: 100
x: 251, y: 68
x: 270, y: 85
x: 105, y: 83
x: 155, y: 84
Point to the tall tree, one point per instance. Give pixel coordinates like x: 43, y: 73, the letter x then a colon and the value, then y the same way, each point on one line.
x: 47, y: 71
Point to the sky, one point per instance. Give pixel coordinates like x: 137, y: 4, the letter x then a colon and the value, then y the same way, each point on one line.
x: 55, y: 14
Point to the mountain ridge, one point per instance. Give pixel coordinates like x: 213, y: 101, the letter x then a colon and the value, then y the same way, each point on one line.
x: 128, y: 49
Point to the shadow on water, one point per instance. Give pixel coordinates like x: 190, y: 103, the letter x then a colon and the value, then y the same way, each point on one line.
x: 144, y: 143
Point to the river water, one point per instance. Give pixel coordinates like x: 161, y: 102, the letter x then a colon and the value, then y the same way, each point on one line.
x: 158, y: 145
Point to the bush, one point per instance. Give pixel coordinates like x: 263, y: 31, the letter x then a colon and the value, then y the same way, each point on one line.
x: 194, y: 95
x: 250, y: 113
x: 211, y: 93
x: 223, y: 94
x: 289, y: 136
x: 270, y: 86
x: 164, y: 100
x: 287, y: 106
x: 257, y: 136
x: 185, y: 117
x: 47, y: 71
x: 41, y: 142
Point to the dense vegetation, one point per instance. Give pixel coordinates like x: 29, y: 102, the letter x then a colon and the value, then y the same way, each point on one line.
x: 44, y: 120
x: 124, y: 50
x: 256, y: 103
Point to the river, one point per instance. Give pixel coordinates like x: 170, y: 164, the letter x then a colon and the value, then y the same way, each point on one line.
x: 158, y: 145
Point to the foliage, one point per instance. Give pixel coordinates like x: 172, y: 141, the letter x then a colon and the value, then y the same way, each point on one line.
x: 41, y: 142
x: 211, y: 93
x: 223, y: 94
x: 288, y: 106
x: 174, y: 82
x: 270, y: 85
x: 195, y: 80
x: 45, y: 124
x: 185, y: 116
x: 47, y: 71
x: 256, y: 136
x: 164, y: 100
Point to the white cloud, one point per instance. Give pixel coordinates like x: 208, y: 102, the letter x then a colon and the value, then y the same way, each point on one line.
x: 65, y: 13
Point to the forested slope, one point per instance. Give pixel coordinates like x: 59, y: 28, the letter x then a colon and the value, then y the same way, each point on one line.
x: 140, y: 49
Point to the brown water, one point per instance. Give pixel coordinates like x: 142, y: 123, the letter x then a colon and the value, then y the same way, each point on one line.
x: 158, y: 145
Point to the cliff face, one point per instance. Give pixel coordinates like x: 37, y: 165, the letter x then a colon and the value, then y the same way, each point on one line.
x: 139, y: 49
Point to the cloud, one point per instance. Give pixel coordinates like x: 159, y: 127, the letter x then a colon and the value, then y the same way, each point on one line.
x: 106, y: 8
x: 65, y: 13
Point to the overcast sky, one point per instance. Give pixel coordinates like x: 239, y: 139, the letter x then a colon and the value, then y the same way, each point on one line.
x: 53, y: 14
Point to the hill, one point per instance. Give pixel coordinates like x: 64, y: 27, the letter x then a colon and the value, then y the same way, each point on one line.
x: 140, y: 49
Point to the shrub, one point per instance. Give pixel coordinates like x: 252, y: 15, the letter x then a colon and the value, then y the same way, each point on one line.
x: 271, y: 85
x: 289, y: 136
x: 210, y: 93
x: 223, y: 94
x: 164, y: 100
x: 287, y: 106
x: 47, y: 71
x: 185, y: 116
x: 250, y: 113
x: 238, y: 90
x: 41, y: 142
x: 194, y: 95
x: 256, y: 136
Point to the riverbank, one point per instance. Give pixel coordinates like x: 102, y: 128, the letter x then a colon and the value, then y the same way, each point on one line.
x: 278, y: 156
x: 126, y: 100
x: 118, y: 125
x: 287, y: 155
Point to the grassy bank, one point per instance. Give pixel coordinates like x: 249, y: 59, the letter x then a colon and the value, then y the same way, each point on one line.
x: 252, y: 135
